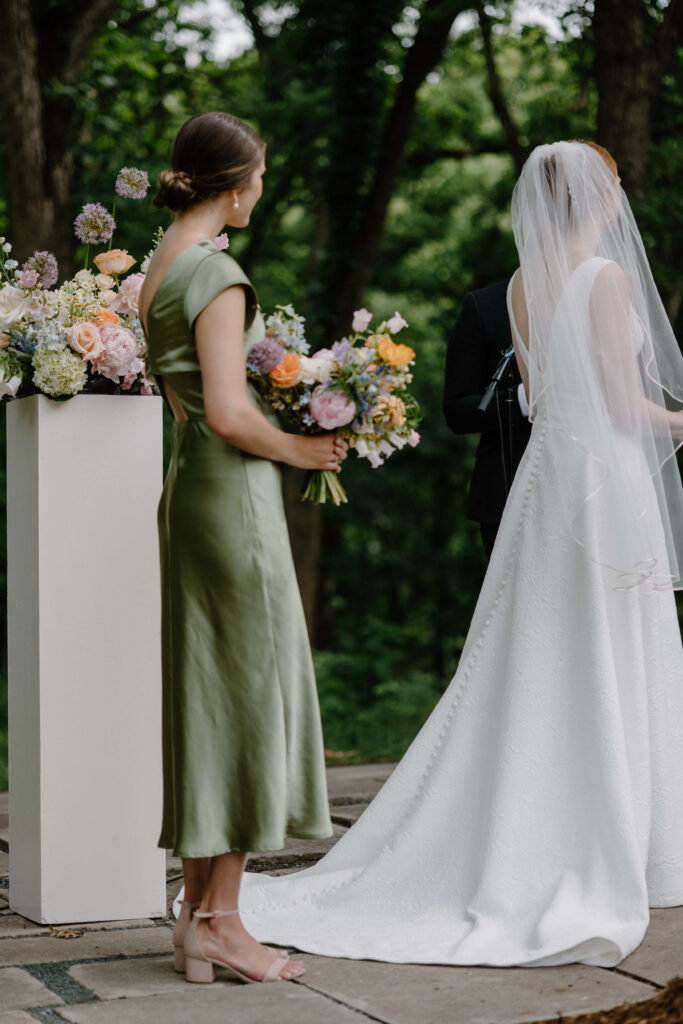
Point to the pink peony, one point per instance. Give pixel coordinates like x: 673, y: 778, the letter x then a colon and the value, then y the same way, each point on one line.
x: 361, y: 319
x: 331, y: 408
x: 118, y: 357
x: 126, y: 301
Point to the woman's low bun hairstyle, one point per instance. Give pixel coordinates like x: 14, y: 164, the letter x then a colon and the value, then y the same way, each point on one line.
x: 175, y: 190
x: 212, y: 153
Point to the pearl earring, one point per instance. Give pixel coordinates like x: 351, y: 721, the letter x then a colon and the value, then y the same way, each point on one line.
x: 235, y: 202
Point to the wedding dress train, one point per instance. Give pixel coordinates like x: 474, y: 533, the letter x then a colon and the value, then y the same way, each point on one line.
x: 539, y: 811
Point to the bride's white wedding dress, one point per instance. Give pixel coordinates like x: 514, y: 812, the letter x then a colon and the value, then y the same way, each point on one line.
x: 539, y: 812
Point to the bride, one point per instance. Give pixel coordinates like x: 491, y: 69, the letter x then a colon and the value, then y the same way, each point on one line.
x: 539, y: 812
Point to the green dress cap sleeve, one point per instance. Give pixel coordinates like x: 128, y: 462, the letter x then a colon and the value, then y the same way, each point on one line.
x: 212, y: 275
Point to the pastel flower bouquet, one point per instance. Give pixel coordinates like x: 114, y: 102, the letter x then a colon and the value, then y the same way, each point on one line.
x: 357, y: 387
x: 84, y: 336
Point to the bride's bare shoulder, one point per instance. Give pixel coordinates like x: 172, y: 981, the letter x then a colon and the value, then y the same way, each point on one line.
x: 611, y: 281
x: 518, y: 301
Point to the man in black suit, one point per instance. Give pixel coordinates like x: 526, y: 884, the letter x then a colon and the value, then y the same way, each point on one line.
x: 479, y: 337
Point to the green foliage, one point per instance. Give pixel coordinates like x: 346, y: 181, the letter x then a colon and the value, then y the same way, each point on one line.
x: 382, y: 726
x: 400, y: 565
x: 3, y: 732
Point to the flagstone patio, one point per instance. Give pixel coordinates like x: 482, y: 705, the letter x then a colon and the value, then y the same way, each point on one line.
x: 121, y: 972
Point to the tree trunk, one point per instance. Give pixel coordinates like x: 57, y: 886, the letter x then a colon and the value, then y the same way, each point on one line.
x: 632, y: 53
x: 422, y: 57
x: 305, y: 524
x: 42, y: 50
x: 31, y: 212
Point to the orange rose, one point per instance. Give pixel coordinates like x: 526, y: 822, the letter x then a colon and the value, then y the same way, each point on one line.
x: 288, y: 372
x: 106, y: 316
x: 395, y: 355
x: 114, y: 261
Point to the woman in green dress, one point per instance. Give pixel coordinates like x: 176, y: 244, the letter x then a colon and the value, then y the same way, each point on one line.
x: 242, y: 743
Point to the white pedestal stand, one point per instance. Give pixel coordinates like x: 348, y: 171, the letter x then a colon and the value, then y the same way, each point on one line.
x: 84, y: 479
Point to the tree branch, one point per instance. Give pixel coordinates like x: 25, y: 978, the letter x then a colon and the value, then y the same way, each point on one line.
x: 95, y: 13
x: 249, y: 12
x: 495, y: 89
x: 669, y: 38
x: 425, y: 53
x: 423, y: 157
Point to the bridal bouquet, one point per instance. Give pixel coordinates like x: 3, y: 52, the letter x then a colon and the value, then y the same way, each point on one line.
x: 357, y: 387
x: 84, y: 336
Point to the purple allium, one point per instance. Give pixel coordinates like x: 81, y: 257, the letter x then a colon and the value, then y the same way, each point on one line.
x: 265, y: 355
x: 94, y: 224
x: 44, y: 264
x: 132, y: 183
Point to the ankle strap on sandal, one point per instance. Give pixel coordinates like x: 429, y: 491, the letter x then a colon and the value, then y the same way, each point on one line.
x: 216, y: 913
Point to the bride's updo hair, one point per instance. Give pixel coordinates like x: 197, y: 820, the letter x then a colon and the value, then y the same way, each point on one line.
x: 560, y: 199
x: 604, y: 153
x: 212, y: 153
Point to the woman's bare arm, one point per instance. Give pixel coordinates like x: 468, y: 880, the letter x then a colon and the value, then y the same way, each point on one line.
x: 219, y: 332
x: 519, y: 311
x: 610, y: 305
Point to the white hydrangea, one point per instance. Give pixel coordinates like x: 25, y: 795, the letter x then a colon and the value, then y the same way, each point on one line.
x: 59, y: 372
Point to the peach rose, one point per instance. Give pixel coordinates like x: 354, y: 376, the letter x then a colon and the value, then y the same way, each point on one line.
x: 106, y: 316
x: 85, y: 339
x: 288, y: 373
x: 395, y: 355
x: 114, y: 261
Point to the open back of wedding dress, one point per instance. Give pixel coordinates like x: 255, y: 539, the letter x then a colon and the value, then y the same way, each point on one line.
x: 539, y: 812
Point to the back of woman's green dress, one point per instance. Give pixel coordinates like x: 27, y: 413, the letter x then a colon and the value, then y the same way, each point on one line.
x: 242, y: 743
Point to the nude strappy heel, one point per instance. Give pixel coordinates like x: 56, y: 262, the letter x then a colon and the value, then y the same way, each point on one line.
x: 200, y: 968
x: 179, y: 933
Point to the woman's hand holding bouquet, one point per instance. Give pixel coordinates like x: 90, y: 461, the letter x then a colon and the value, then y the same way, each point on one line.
x: 358, y: 388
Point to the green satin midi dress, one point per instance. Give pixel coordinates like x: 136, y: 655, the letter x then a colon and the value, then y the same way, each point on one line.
x: 243, y: 759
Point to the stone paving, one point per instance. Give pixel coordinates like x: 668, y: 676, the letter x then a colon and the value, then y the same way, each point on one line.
x: 121, y: 972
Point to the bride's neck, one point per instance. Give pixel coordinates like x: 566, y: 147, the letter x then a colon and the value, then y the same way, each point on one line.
x: 584, y: 244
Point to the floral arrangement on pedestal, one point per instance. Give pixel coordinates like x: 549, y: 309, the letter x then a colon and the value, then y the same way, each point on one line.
x: 358, y: 387
x: 84, y: 336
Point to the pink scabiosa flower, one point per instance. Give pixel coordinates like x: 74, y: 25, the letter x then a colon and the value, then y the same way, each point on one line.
x: 94, y: 224
x: 118, y: 357
x: 331, y: 408
x: 44, y: 263
x: 132, y: 183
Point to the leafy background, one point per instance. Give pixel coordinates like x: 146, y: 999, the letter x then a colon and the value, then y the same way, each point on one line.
x: 390, y: 580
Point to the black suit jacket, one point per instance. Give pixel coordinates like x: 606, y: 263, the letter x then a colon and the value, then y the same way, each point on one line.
x: 481, y: 333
